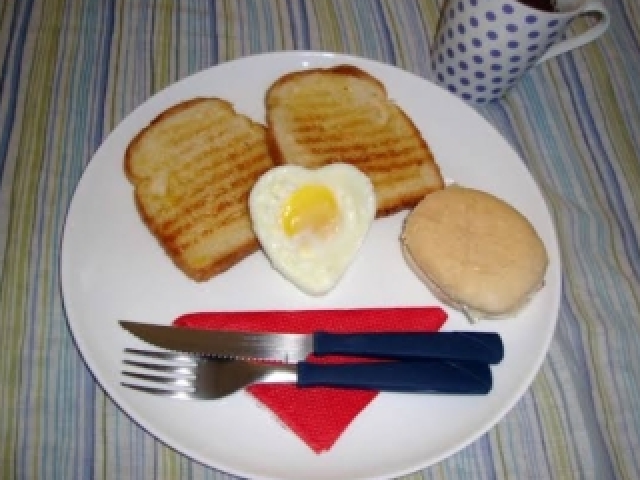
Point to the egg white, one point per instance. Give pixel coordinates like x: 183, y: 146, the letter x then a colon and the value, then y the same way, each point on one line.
x: 312, y: 262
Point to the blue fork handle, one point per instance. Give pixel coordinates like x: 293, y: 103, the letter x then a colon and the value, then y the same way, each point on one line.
x: 485, y: 347
x: 420, y: 376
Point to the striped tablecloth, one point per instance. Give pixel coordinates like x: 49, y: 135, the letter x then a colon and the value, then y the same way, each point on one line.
x: 72, y: 69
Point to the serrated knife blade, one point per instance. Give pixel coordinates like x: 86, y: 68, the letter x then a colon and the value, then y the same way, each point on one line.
x: 486, y: 347
x: 285, y: 347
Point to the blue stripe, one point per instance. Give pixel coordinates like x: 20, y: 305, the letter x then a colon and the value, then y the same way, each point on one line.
x: 10, y: 74
x: 384, y: 37
x: 299, y: 33
x: 213, y: 19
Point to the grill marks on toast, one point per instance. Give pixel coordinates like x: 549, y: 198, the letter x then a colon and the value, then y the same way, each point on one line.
x: 193, y: 169
x: 222, y: 195
x: 220, y: 204
x: 342, y: 114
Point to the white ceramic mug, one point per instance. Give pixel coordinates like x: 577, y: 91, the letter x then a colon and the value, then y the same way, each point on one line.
x: 482, y: 47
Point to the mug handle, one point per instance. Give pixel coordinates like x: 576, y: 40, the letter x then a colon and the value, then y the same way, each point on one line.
x: 585, y: 37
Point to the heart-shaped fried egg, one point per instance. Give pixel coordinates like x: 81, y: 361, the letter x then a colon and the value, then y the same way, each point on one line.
x: 311, y: 223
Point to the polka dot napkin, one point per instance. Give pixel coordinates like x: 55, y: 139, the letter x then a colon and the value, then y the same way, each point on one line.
x: 318, y: 415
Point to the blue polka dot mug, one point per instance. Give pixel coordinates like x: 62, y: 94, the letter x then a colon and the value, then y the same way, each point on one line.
x: 482, y: 47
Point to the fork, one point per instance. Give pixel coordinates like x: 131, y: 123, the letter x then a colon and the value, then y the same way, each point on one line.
x: 193, y: 377
x: 184, y: 376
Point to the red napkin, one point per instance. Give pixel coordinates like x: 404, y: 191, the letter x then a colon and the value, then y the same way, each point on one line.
x: 318, y: 415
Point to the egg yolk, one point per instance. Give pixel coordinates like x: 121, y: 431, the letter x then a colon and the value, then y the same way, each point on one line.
x: 311, y: 208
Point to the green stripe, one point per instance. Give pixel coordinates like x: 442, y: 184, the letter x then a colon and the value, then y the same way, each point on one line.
x: 552, y: 424
x: 329, y: 34
x: 161, y: 44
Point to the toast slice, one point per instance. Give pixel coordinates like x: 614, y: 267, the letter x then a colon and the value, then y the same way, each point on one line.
x: 343, y: 114
x: 193, y: 168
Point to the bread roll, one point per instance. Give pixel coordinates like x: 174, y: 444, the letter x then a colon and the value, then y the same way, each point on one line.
x: 475, y: 251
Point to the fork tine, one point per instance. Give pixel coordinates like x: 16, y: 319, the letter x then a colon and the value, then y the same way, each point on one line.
x: 162, y: 355
x: 170, y: 381
x: 179, y: 394
x: 187, y: 369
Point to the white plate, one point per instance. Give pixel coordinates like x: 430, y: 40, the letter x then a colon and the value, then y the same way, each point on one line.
x: 112, y: 268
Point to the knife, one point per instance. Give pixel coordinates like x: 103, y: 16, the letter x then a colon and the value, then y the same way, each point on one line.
x: 482, y: 347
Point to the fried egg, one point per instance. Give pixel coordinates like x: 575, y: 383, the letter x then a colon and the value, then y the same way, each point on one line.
x: 311, y: 223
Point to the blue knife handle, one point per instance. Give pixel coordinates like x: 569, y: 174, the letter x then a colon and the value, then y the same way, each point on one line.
x: 485, y: 347
x: 419, y: 376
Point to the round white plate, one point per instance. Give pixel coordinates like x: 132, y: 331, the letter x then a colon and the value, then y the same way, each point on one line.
x: 112, y: 268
